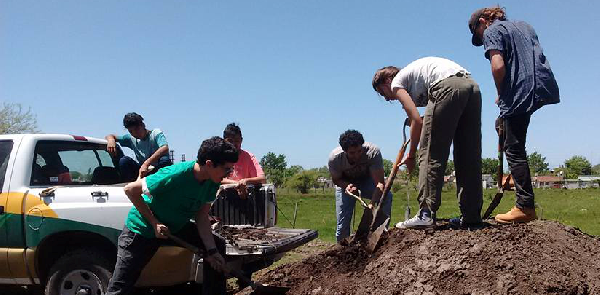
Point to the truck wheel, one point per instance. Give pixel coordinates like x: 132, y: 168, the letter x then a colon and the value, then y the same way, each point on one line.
x: 79, y: 272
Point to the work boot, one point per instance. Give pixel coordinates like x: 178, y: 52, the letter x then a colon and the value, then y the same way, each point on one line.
x: 517, y: 215
x: 421, y: 220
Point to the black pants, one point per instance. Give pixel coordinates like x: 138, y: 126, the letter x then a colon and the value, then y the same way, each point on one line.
x: 515, y: 129
x: 135, y: 251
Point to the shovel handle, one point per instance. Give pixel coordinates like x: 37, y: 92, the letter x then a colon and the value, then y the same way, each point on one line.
x: 390, y: 180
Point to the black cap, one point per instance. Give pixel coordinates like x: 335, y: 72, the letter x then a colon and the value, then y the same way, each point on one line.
x: 473, y: 25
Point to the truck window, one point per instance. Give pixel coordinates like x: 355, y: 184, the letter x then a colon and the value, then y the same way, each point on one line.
x: 5, y: 148
x: 72, y: 163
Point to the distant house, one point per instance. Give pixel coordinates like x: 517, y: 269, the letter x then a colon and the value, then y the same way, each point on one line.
x: 487, y: 181
x: 325, y: 182
x: 572, y: 184
x: 547, y: 181
x: 588, y: 181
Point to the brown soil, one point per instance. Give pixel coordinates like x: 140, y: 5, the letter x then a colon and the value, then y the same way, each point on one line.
x: 541, y: 257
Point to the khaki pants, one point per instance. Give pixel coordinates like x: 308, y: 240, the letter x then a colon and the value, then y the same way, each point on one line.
x: 453, y: 114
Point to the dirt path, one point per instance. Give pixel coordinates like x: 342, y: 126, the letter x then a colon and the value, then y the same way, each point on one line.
x: 542, y: 257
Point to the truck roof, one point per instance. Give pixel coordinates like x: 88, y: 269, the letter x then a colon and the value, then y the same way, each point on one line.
x: 61, y: 137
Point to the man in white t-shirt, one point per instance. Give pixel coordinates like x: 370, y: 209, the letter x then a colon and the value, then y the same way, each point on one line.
x: 452, y: 115
x: 356, y: 165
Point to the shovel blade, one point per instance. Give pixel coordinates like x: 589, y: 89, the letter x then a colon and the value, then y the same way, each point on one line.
x: 375, y: 236
x: 380, y: 218
x: 493, y: 205
x: 364, y: 225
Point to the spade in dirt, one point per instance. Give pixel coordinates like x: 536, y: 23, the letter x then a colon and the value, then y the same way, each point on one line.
x: 501, y: 184
x: 258, y: 289
x: 374, y: 221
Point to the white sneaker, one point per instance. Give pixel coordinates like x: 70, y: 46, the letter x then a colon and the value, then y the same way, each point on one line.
x: 419, y: 221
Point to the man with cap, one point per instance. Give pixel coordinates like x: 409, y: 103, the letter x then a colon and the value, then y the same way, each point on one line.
x: 525, y: 83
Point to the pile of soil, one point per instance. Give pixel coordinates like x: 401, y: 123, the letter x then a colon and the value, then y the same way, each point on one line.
x: 542, y: 257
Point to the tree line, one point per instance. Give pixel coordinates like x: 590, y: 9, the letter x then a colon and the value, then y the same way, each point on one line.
x: 14, y: 119
x: 296, y: 177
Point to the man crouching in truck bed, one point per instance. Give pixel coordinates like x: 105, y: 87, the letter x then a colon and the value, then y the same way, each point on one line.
x: 164, y: 202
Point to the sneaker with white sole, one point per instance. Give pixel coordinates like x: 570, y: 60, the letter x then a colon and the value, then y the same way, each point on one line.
x: 421, y: 220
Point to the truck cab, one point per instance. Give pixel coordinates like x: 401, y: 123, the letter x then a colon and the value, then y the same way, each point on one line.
x: 62, y: 208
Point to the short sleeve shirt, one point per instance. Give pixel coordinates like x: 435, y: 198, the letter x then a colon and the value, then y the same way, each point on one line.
x: 340, y: 167
x: 174, y: 196
x: 246, y: 167
x: 529, y: 82
x: 144, y: 148
x: 418, y: 76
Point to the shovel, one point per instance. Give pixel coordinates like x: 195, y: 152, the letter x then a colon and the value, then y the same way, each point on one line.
x: 256, y: 287
x: 375, y: 220
x: 500, y: 176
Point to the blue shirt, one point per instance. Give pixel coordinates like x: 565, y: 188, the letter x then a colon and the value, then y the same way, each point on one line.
x: 144, y: 148
x: 529, y: 83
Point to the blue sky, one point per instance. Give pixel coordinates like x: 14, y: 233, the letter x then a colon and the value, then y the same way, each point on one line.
x: 293, y: 74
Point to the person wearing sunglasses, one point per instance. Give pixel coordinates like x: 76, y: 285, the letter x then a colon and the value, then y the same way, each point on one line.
x: 524, y: 83
x: 164, y: 203
x: 247, y: 170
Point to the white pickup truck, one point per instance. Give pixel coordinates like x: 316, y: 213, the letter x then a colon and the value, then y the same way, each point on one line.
x: 62, y: 208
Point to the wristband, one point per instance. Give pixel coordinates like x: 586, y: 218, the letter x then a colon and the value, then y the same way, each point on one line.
x: 211, y: 251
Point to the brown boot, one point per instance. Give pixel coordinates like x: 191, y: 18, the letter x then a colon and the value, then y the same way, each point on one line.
x: 517, y: 215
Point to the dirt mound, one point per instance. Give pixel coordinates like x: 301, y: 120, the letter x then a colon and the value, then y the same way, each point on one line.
x: 541, y: 257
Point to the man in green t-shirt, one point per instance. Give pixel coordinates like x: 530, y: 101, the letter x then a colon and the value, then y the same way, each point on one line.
x: 165, y: 202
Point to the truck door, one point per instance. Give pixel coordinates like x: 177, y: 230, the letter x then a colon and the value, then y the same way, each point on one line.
x: 5, y: 150
x: 73, y: 180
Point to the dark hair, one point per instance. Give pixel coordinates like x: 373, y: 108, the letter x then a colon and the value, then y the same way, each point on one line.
x: 351, y: 138
x: 382, y: 74
x: 218, y: 151
x: 132, y: 119
x: 232, y: 130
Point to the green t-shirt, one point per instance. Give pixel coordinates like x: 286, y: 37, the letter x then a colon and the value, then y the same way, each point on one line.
x: 174, y: 195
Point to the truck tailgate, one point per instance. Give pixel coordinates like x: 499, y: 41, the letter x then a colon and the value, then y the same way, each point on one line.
x: 249, y: 240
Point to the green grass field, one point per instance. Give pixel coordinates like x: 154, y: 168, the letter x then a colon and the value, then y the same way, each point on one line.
x: 578, y: 208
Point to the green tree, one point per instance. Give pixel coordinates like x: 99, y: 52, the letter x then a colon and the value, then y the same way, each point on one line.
x: 293, y: 170
x: 14, y: 120
x: 578, y: 165
x: 274, y: 166
x: 322, y: 171
x: 449, y: 168
x: 537, y: 163
x: 302, y: 181
x: 387, y: 167
x: 596, y: 169
x: 489, y: 166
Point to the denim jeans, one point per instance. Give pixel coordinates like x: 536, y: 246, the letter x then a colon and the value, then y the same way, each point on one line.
x: 344, y: 205
x: 135, y: 251
x: 452, y: 116
x: 129, y: 168
x: 515, y: 129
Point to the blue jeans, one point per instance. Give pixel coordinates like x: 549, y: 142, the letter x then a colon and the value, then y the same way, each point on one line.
x: 130, y: 169
x: 135, y: 251
x: 344, y: 205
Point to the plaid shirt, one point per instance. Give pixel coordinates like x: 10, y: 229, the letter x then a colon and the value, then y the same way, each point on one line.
x: 529, y: 83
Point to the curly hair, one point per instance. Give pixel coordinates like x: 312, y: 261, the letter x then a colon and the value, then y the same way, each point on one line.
x: 382, y: 74
x: 132, y: 119
x: 351, y: 138
x: 218, y: 151
x: 232, y: 130
x: 493, y: 13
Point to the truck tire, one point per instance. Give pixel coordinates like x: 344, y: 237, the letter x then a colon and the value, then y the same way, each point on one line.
x: 79, y: 272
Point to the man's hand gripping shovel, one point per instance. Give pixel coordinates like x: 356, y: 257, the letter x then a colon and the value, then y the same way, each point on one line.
x: 374, y: 221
